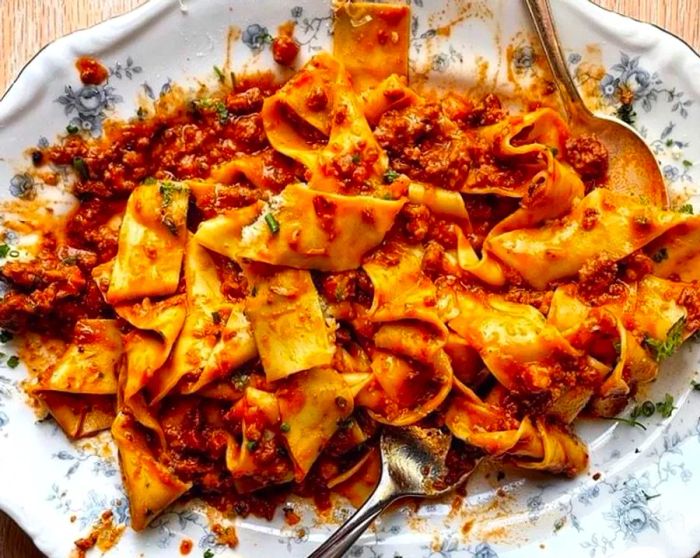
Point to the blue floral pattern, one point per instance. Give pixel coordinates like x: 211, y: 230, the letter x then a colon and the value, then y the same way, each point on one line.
x: 89, y: 105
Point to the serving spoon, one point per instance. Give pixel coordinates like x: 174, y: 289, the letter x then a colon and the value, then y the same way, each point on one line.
x: 413, y: 465
x: 633, y: 168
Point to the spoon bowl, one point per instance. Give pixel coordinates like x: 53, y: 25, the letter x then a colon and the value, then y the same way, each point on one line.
x: 415, y: 463
x: 633, y: 168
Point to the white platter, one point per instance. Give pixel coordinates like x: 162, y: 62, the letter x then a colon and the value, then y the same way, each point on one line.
x: 645, y: 502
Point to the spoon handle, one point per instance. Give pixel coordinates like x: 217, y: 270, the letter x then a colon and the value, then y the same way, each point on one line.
x: 342, y: 540
x: 541, y: 13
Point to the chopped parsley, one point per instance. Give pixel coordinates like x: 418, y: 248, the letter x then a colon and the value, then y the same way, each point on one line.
x: 251, y: 445
x: 626, y: 113
x: 648, y: 408
x: 13, y: 361
x: 686, y: 208
x: 660, y: 255
x: 687, y: 164
x: 285, y: 427
x: 5, y: 336
x: 221, y: 112
x: 240, y: 381
x: 219, y: 74
x: 72, y: 129
x: 390, y: 175
x: 669, y: 142
x: 664, y: 349
x: 81, y: 168
x: 666, y: 407
x: 628, y: 421
x: 208, y: 553
x: 695, y: 385
x: 272, y: 223
x: 168, y: 190
x: 4, y: 250
x: 645, y: 409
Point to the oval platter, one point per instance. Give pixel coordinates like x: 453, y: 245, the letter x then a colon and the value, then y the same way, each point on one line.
x: 636, y: 499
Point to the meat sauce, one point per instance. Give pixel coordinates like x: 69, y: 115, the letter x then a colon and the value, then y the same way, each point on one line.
x: 187, y: 139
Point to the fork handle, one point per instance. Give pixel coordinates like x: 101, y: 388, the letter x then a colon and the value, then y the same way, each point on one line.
x: 541, y: 14
x: 342, y: 540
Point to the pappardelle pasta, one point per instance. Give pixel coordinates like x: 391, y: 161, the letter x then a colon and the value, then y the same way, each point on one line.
x: 256, y: 282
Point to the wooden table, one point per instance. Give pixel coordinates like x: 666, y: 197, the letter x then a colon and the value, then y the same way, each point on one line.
x: 27, y: 25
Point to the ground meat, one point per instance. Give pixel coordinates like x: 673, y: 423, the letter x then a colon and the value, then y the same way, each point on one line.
x: 488, y: 111
x: 91, y: 71
x: 414, y: 221
x: 590, y: 218
x: 539, y: 299
x: 588, y: 156
x: 348, y: 286
x: 249, y: 132
x: 184, y: 143
x: 317, y: 99
x: 89, y: 227
x: 284, y: 50
x: 245, y: 102
x: 597, y: 275
x: 425, y: 145
x: 690, y: 300
x: 635, y: 266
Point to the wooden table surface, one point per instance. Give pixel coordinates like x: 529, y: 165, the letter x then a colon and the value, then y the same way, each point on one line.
x: 27, y: 25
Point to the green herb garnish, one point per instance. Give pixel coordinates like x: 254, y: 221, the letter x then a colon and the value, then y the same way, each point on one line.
x: 208, y: 553
x: 695, y: 385
x: 665, y: 408
x: 219, y: 74
x: 629, y: 422
x: 5, y: 336
x: 251, y: 445
x: 4, y: 250
x: 167, y: 191
x: 686, y: 208
x: 645, y: 409
x: 72, y: 129
x: 13, y: 361
x: 285, y: 427
x: 660, y: 255
x: 240, y: 381
x: 272, y: 223
x: 674, y: 339
x: 390, y: 175
x: 687, y: 164
x: 356, y: 158
x: 221, y: 112
x: 81, y: 168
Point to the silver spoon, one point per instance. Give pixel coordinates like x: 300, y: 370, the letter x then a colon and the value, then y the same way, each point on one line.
x: 633, y: 167
x: 413, y: 465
